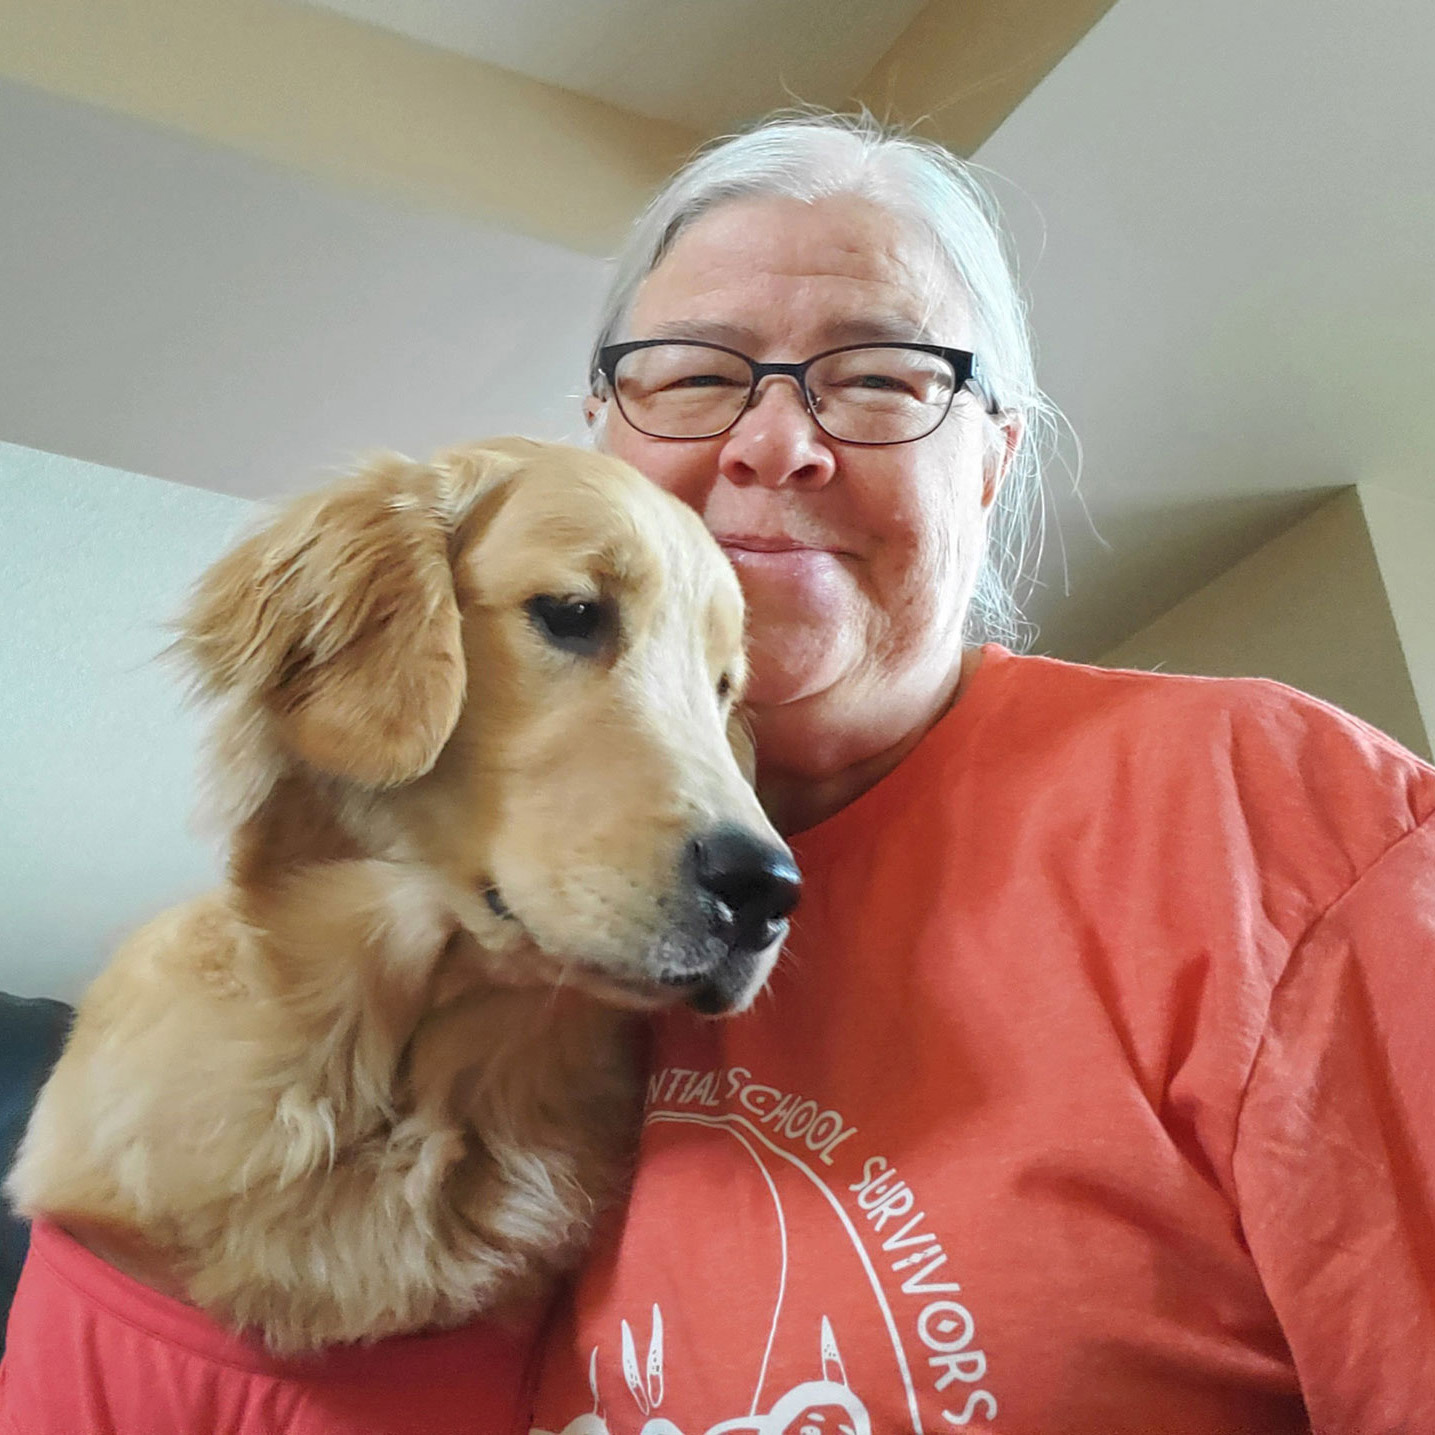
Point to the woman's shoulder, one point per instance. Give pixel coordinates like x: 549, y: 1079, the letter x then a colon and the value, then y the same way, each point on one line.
x: 1162, y: 707
x: 1281, y: 762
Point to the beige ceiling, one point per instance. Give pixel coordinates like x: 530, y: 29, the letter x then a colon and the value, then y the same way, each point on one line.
x: 690, y: 62
x: 554, y: 117
x: 956, y: 67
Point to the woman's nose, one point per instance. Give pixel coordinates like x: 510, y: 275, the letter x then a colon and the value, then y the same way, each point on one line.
x: 777, y: 442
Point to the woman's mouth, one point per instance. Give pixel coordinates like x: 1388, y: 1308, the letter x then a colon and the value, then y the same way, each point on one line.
x: 760, y: 556
x: 776, y: 543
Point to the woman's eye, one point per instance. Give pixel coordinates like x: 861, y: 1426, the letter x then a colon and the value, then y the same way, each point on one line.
x: 879, y: 381
x: 577, y: 625
x: 703, y: 381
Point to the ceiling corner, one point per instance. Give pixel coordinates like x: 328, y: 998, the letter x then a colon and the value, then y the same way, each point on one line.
x: 962, y: 66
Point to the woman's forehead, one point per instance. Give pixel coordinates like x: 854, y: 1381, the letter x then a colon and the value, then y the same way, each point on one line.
x: 842, y: 269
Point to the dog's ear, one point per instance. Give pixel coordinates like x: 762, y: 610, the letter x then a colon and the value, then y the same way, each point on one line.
x: 335, y: 630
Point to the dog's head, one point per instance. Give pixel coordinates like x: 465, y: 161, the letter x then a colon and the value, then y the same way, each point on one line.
x: 516, y: 668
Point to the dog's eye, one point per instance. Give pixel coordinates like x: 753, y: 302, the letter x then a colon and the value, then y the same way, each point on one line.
x: 577, y: 625
x: 724, y: 688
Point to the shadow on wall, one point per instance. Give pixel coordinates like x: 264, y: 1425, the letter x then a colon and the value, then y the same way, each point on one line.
x: 1312, y: 607
x: 1200, y: 538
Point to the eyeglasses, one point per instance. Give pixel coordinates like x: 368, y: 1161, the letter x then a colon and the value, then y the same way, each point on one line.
x: 860, y: 394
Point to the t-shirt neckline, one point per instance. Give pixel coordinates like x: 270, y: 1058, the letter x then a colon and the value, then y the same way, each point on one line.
x: 811, y: 844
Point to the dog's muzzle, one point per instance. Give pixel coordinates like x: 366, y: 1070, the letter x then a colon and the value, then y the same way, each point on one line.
x: 746, y: 889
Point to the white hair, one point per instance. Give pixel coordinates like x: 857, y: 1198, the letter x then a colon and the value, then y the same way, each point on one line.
x: 809, y: 156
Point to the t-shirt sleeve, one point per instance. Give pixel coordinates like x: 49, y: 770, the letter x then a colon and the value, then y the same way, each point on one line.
x: 1335, y: 1154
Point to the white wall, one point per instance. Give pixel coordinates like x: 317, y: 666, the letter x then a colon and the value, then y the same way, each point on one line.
x: 1226, y: 210
x: 97, y: 753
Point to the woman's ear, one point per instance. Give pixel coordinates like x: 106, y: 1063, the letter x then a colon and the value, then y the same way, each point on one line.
x: 1001, y: 453
x: 336, y: 629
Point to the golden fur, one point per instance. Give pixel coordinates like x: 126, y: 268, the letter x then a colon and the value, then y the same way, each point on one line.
x: 379, y: 1080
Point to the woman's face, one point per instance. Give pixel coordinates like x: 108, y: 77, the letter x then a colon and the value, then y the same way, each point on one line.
x: 857, y: 563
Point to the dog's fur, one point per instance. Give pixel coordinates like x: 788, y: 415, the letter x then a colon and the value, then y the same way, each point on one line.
x: 378, y: 1081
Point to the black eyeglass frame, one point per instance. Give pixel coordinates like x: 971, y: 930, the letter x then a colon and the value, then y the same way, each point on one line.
x: 965, y: 365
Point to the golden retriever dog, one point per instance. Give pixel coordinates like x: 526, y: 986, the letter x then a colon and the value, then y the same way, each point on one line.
x: 475, y: 746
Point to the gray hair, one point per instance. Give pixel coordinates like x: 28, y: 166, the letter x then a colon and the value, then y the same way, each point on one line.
x: 809, y: 156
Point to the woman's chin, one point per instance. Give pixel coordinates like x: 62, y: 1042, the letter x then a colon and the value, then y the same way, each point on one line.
x: 784, y: 673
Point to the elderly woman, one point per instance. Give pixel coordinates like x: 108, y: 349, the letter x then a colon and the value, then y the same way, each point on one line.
x: 1095, y: 1092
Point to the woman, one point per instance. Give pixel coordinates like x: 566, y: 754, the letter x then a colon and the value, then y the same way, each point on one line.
x: 1094, y: 1092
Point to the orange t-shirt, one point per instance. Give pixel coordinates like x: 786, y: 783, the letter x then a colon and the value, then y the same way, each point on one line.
x: 1095, y: 1093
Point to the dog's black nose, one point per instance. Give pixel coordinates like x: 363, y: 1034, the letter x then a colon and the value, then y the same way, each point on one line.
x: 751, y: 884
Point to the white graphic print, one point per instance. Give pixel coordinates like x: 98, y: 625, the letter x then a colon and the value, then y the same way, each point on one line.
x: 816, y: 1407
x: 845, y: 1246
